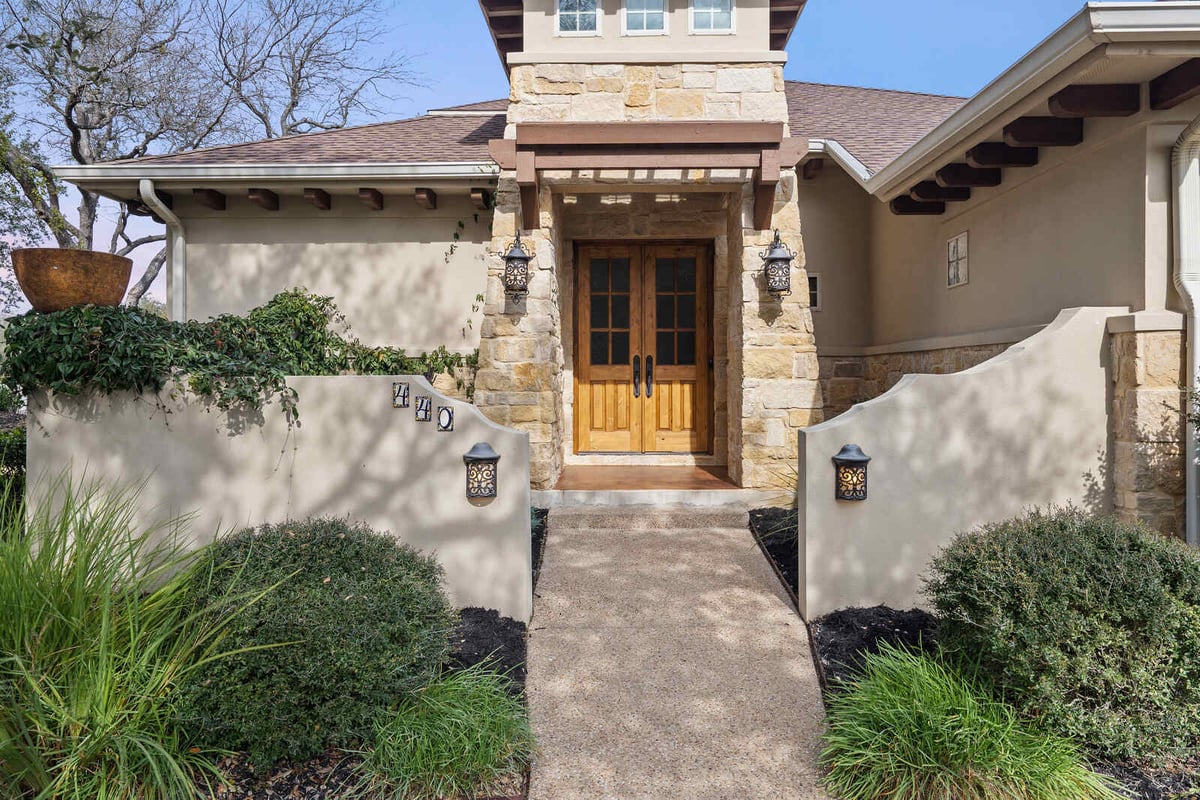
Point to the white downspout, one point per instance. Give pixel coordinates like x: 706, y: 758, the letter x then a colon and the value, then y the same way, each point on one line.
x: 176, y: 251
x: 1185, y: 172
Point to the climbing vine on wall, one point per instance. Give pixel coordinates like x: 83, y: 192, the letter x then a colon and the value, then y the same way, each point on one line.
x: 238, y: 362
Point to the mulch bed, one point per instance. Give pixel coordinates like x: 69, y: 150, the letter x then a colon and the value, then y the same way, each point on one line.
x: 842, y: 639
x: 537, y: 519
x: 481, y: 635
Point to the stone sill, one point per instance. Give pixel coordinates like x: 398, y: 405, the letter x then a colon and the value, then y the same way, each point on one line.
x: 697, y: 56
x: 1144, y: 321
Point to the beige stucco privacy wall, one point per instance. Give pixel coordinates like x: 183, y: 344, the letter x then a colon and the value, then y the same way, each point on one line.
x: 353, y: 455
x: 391, y: 271
x: 951, y: 452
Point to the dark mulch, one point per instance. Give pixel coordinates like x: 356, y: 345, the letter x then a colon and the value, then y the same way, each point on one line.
x: 11, y: 419
x: 775, y: 531
x: 843, y: 639
x: 1136, y: 783
x: 537, y: 519
x: 481, y: 634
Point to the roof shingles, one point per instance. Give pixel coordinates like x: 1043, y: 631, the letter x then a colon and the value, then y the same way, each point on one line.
x: 875, y: 125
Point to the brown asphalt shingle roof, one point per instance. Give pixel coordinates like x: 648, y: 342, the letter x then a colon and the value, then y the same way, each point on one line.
x: 875, y: 125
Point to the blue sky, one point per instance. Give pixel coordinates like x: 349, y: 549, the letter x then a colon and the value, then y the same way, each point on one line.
x: 940, y: 46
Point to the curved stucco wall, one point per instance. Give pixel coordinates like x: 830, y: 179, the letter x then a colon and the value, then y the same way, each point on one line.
x: 353, y: 455
x: 951, y: 452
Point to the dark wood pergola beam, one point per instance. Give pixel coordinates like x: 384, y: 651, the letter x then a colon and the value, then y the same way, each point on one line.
x: 1097, y: 100
x: 956, y: 176
x: 426, y: 198
x: 319, y: 198
x: 502, y: 8
x: 1175, y: 86
x: 507, y: 27
x: 371, y: 198
x: 906, y: 206
x: 930, y: 191
x: 209, y: 198
x: 263, y: 198
x: 1043, y: 132
x: 999, y: 154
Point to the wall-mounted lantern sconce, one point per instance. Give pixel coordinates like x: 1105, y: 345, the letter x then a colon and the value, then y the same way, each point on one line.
x: 777, y: 267
x: 516, y: 270
x: 850, y: 473
x: 481, y: 463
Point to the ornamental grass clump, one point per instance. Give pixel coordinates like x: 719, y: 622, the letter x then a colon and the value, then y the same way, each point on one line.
x: 913, y: 728
x: 1089, y: 626
x: 456, y: 737
x: 359, y: 620
x: 94, y: 640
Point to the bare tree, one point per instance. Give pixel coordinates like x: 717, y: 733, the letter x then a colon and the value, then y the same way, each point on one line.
x: 104, y: 80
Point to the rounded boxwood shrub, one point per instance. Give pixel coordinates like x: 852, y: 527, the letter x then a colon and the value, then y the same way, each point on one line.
x: 1089, y: 625
x: 361, y: 621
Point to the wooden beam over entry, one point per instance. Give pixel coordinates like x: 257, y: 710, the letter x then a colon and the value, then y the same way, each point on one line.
x: 1043, y: 132
x: 264, y: 199
x: 964, y: 175
x: 906, y: 206
x: 209, y: 198
x: 930, y: 191
x: 319, y: 198
x: 1097, y: 100
x: 998, y: 154
x: 372, y: 198
x: 1175, y: 86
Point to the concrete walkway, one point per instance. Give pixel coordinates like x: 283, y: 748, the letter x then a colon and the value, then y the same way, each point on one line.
x: 665, y: 662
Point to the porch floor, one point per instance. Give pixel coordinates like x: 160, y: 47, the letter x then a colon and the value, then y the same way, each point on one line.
x: 599, y: 479
x: 666, y: 663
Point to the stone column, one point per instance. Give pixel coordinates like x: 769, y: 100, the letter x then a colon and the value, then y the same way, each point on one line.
x: 773, y: 354
x: 519, y: 382
x: 1148, y: 477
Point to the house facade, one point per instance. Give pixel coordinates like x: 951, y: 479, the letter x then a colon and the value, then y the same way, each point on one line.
x: 647, y: 155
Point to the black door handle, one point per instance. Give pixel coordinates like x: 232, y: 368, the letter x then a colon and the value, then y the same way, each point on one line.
x: 637, y: 376
x: 649, y: 376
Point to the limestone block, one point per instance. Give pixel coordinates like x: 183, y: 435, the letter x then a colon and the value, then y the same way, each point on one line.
x: 745, y: 79
x: 680, y: 104
x: 604, y: 85
x: 597, y: 108
x: 770, y: 106
x: 805, y: 366
x: 1149, y: 466
x: 561, y: 73
x: 699, y: 67
x: 1151, y: 415
x: 541, y: 86
x: 541, y: 112
x: 1161, y: 359
x: 847, y: 368
x: 639, y: 94
x: 722, y: 111
x: 608, y: 70
x: 768, y: 363
x: 698, y: 80
x: 782, y: 393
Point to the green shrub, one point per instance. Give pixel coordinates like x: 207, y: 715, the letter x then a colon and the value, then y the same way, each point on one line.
x: 93, y: 641
x: 912, y: 728
x: 1089, y: 626
x: 369, y: 620
x: 454, y: 738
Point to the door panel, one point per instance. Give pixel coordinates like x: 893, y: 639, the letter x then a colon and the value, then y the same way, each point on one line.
x: 650, y: 306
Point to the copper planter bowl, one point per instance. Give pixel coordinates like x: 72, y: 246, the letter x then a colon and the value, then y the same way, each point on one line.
x: 53, y: 279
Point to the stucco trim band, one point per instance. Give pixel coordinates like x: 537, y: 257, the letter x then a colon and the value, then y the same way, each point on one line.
x: 996, y: 336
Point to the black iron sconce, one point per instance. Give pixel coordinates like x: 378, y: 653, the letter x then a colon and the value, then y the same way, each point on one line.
x: 777, y: 268
x: 850, y: 473
x: 481, y: 463
x: 516, y: 270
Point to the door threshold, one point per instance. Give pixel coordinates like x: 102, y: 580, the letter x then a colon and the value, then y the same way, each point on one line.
x: 634, y: 459
x: 692, y: 478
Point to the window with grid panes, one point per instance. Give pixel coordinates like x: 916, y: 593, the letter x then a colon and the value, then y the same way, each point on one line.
x: 712, y: 15
x: 578, y: 16
x: 645, y: 16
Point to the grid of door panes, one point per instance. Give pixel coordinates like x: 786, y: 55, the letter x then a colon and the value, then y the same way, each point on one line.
x: 644, y: 15
x: 577, y: 16
x: 675, y: 311
x: 610, y: 329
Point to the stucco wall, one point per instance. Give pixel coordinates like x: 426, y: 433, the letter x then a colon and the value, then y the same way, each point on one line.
x: 353, y: 455
x: 1068, y: 233
x: 951, y: 452
x: 541, y: 40
x: 388, y: 270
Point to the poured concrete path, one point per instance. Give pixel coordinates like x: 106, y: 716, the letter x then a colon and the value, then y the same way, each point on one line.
x: 665, y: 662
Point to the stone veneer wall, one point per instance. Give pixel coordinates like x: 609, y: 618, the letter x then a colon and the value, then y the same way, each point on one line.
x: 847, y: 380
x: 624, y: 92
x: 1147, y: 427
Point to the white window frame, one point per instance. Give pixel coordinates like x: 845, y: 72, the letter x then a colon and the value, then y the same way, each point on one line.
x: 558, y: 31
x: 666, y: 28
x: 814, y: 277
x: 961, y: 244
x: 692, y: 30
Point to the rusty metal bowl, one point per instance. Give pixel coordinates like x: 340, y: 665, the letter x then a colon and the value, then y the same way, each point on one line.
x: 53, y: 278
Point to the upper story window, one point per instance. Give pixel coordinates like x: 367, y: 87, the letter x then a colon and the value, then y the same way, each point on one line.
x: 712, y: 16
x: 579, y: 17
x: 645, y: 16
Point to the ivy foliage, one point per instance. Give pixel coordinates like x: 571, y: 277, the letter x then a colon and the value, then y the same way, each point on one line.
x: 237, y: 362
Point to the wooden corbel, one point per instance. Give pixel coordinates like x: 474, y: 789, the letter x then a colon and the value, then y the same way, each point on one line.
x: 764, y: 188
x: 527, y: 182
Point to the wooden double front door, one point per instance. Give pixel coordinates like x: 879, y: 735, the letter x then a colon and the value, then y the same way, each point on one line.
x: 643, y: 349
